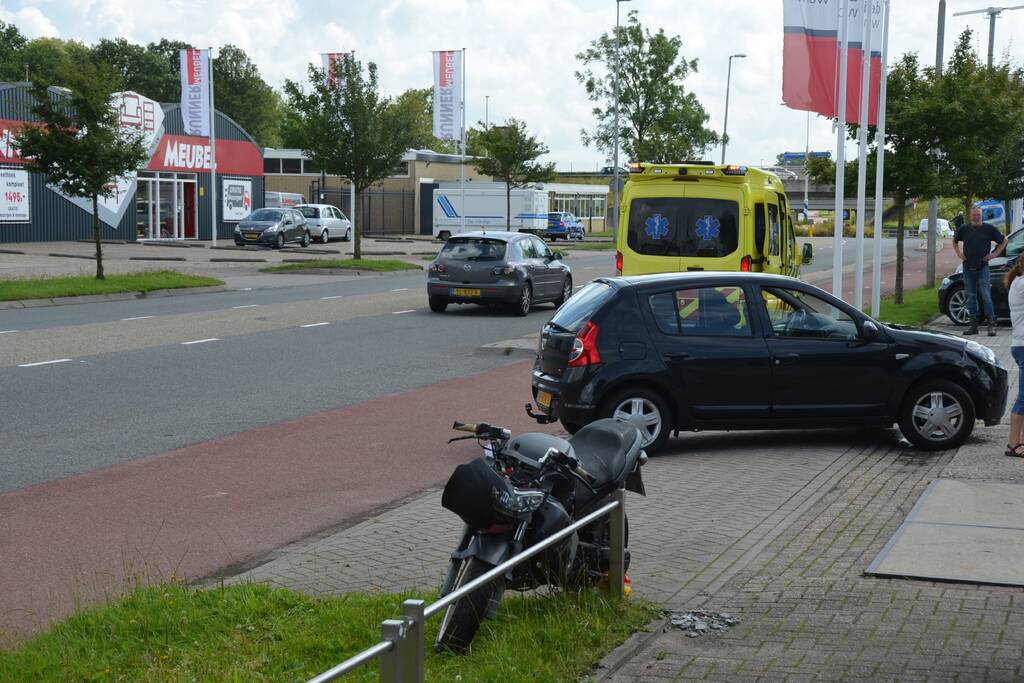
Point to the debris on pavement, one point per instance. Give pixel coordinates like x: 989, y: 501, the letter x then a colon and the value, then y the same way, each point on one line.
x: 699, y: 622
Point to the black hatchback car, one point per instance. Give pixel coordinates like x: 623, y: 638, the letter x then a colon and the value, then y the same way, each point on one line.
x: 703, y: 351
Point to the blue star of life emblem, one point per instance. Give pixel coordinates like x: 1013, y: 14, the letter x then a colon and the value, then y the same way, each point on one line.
x: 708, y: 227
x: 656, y: 226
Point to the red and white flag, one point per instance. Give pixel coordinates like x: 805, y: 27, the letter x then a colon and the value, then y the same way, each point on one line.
x: 448, y: 95
x: 330, y: 59
x: 195, y: 91
x: 810, y: 62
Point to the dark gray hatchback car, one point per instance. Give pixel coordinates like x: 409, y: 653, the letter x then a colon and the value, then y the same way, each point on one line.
x: 503, y: 268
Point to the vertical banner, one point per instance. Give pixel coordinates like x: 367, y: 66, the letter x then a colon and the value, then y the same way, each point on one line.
x: 330, y: 59
x: 448, y: 95
x: 810, y: 72
x: 195, y: 92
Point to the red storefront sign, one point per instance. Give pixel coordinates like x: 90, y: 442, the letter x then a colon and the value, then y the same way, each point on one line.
x: 181, y: 153
x: 188, y: 154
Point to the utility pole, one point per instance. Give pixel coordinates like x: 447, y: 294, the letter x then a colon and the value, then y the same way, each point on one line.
x: 992, y: 13
x: 933, y: 204
x: 725, y: 125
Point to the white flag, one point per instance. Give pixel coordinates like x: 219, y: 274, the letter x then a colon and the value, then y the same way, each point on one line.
x: 330, y: 59
x: 195, y: 92
x: 448, y: 95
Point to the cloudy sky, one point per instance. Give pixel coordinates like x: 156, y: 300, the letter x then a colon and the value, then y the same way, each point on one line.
x: 521, y: 54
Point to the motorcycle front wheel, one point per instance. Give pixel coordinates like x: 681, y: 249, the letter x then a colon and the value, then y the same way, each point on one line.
x: 462, y: 618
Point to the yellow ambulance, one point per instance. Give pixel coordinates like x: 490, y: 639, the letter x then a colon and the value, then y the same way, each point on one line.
x: 703, y: 216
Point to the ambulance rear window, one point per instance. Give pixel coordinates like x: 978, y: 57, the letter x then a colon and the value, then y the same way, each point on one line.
x: 683, y: 226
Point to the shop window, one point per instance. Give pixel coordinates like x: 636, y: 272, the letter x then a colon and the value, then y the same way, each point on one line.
x: 271, y: 165
x: 291, y: 166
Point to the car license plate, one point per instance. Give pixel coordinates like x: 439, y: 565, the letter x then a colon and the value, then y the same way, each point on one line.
x: 544, y: 399
x: 458, y: 291
x: 252, y: 235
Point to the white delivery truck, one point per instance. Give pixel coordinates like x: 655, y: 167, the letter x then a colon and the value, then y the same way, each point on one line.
x: 485, y: 209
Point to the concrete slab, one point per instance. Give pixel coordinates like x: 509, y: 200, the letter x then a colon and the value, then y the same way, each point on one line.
x: 970, y: 531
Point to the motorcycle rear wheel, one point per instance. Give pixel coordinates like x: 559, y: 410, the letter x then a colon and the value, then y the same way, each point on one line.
x: 462, y: 618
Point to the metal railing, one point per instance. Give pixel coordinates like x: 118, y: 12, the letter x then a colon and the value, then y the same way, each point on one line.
x: 401, y: 647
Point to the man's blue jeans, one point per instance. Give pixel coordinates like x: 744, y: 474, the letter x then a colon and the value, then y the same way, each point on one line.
x: 975, y: 281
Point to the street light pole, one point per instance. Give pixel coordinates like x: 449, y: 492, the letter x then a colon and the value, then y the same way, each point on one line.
x: 615, y: 154
x: 992, y: 13
x: 725, y: 124
x: 933, y: 203
x: 487, y: 112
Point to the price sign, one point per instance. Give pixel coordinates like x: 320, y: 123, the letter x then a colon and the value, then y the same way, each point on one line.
x: 14, y: 196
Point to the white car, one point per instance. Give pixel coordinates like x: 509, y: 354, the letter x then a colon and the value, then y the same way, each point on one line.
x: 326, y: 222
x: 942, y: 226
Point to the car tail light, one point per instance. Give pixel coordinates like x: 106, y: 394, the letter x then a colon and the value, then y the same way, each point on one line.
x: 503, y: 270
x: 745, y: 264
x: 584, y: 347
x: 618, y: 263
x: 436, y: 267
x: 561, y: 224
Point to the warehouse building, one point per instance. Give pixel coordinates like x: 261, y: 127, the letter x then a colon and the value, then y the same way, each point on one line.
x: 168, y: 199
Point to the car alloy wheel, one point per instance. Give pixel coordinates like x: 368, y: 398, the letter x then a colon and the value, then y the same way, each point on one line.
x: 525, y: 300
x: 323, y: 237
x: 957, y: 307
x: 643, y: 414
x: 937, y: 416
x: 348, y: 235
x: 280, y: 241
x: 305, y: 239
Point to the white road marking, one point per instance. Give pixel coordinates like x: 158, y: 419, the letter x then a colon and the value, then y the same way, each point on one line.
x: 589, y: 268
x: 245, y: 306
x: 45, y: 362
x: 402, y: 289
x: 411, y: 310
x: 7, y: 331
x: 246, y: 289
x: 314, y: 325
x: 138, y: 317
x: 328, y: 298
x: 200, y: 341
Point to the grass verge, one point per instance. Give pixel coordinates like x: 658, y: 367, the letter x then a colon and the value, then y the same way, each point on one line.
x: 82, y: 285
x: 919, y: 306
x: 380, y: 266
x: 253, y: 632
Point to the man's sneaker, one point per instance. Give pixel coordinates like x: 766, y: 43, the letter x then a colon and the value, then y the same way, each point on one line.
x: 973, y: 329
x: 991, y: 328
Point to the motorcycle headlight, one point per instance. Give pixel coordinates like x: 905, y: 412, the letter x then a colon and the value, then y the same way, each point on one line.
x: 516, y: 502
x: 981, y: 352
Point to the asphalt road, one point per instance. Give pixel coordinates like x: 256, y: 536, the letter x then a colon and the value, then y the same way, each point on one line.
x: 141, y: 377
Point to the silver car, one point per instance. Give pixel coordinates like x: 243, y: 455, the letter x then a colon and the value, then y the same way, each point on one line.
x: 326, y: 222
x: 506, y: 268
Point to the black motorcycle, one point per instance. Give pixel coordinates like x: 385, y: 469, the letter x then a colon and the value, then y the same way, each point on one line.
x: 522, y: 491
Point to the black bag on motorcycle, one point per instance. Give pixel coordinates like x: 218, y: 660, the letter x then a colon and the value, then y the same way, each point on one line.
x: 469, y: 493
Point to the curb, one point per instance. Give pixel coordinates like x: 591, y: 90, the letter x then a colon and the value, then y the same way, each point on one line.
x: 157, y: 258
x: 238, y: 260
x: 115, y: 296
x: 59, y: 255
x: 12, y: 251
x: 339, y: 271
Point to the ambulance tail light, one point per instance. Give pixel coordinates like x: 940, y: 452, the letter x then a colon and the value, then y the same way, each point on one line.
x: 618, y: 263
x: 745, y: 264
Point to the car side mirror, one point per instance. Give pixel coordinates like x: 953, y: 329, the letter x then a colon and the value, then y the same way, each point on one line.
x: 869, y: 331
x: 556, y: 256
x: 808, y: 253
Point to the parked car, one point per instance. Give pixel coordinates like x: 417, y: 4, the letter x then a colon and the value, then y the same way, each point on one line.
x: 565, y: 225
x: 326, y: 222
x: 953, y: 297
x: 513, y: 269
x: 943, y: 229
x: 273, y: 228
x: 701, y: 351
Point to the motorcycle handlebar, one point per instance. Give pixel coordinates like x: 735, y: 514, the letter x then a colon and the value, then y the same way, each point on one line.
x: 463, y: 427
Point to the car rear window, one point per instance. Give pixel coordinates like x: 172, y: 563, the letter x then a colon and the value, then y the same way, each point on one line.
x: 582, y: 305
x: 678, y: 226
x: 310, y: 211
x: 473, y: 249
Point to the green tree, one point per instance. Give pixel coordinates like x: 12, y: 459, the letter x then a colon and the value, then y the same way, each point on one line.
x: 79, y: 145
x: 348, y: 128
x: 511, y: 155
x: 659, y: 119
x: 418, y: 106
x: 139, y: 69
x: 241, y: 93
x: 50, y: 60
x: 11, y: 44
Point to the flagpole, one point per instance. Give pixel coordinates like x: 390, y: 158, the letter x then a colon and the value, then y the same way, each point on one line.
x: 862, y: 152
x: 213, y: 150
x: 837, y: 251
x: 876, y: 272
x: 352, y: 191
x: 462, y: 166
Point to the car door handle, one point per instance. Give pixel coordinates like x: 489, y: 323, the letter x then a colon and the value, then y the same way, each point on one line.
x: 785, y: 358
x: 677, y: 355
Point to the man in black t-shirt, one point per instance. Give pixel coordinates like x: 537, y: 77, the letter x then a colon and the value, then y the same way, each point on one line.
x: 977, y: 239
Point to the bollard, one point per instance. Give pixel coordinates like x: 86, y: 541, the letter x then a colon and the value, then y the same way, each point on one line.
x: 392, y: 669
x: 617, y: 540
x: 412, y: 610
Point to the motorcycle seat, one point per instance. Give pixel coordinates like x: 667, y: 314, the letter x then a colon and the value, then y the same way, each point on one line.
x: 608, y: 449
